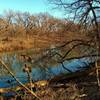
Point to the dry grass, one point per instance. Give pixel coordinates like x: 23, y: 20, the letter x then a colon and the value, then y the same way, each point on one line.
x: 15, y: 44
x: 8, y: 43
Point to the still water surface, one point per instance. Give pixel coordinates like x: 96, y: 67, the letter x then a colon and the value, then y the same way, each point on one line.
x: 16, y: 65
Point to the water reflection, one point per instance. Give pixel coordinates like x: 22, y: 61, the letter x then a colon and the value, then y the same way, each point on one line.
x: 16, y: 64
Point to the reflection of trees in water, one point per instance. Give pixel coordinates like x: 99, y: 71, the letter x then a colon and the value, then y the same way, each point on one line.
x: 8, y: 61
x: 15, y: 64
x: 3, y: 72
x: 11, y: 60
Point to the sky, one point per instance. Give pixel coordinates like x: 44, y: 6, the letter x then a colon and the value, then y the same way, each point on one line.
x: 31, y: 6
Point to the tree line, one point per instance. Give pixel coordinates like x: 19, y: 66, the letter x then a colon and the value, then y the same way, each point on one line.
x: 18, y: 23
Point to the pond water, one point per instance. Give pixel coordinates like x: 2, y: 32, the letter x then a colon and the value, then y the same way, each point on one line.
x: 15, y: 65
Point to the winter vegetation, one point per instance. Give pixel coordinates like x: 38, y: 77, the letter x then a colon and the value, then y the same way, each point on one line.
x: 47, y: 44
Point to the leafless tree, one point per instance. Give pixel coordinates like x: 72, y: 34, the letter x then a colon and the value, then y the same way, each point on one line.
x: 86, y: 13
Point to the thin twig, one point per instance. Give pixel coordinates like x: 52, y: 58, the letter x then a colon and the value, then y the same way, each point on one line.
x: 11, y: 73
x: 96, y: 64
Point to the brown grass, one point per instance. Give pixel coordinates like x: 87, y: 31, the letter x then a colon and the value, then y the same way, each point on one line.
x: 8, y: 43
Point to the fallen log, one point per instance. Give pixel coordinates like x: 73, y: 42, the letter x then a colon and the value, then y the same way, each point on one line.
x: 66, y: 77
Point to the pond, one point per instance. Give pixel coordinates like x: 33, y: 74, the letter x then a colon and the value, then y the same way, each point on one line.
x: 16, y: 66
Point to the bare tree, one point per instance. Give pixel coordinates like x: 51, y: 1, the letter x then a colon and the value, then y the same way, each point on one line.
x: 86, y: 13
x: 9, y: 26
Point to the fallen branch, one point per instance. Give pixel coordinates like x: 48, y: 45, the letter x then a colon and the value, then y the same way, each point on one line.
x: 69, y: 76
x: 78, y: 57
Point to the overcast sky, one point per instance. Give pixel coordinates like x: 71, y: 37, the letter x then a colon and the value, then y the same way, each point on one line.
x: 32, y: 6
